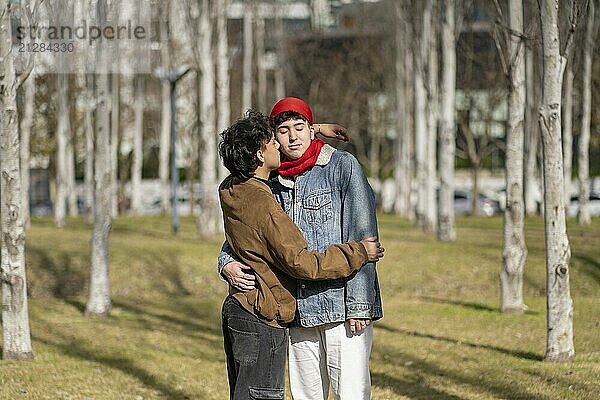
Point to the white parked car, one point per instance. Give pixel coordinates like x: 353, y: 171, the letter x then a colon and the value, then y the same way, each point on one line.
x: 485, y: 205
x: 183, y: 206
x: 593, y: 205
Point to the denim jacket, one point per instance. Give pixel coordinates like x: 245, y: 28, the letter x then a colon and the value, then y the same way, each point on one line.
x: 331, y: 202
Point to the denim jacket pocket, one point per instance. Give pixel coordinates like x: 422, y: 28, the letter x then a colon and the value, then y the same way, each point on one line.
x: 318, y: 216
x: 318, y: 206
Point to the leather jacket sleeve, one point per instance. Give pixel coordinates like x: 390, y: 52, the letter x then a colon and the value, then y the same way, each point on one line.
x: 288, y: 251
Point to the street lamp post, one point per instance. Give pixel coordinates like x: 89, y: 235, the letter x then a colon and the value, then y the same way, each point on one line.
x: 173, y: 76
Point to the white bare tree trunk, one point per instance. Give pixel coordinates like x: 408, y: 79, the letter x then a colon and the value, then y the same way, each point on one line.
x: 138, y: 153
x: 165, y: 115
x: 62, y: 134
x: 185, y: 25
x: 26, y: 124
x: 408, y: 152
x: 567, y: 131
x: 85, y: 106
x: 261, y: 78
x: 583, y: 162
x: 131, y: 92
x: 70, y: 169
x: 559, y: 345
x: 67, y: 14
x: 222, y: 60
x: 60, y: 14
x: 446, y: 224
x: 247, y: 60
x: 15, y: 319
x: 420, y: 112
x: 432, y: 123
x: 514, y: 250
x: 531, y: 174
x: 89, y: 154
x: 279, y: 67
x: 99, y: 301
x: 402, y: 154
x: 420, y: 133
x: 209, y: 215
x: 320, y: 10
x: 165, y: 146
x: 376, y: 132
x: 113, y: 101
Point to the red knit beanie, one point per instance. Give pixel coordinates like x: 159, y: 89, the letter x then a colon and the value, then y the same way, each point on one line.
x: 293, y: 104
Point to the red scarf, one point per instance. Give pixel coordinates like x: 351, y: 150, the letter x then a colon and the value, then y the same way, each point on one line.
x: 308, y: 160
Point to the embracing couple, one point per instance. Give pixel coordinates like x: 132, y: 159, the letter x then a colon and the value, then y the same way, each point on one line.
x: 300, y: 253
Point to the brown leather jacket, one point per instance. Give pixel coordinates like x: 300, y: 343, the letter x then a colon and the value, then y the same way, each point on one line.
x: 265, y: 238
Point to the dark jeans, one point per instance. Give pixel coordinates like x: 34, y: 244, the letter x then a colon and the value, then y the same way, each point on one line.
x: 255, y: 354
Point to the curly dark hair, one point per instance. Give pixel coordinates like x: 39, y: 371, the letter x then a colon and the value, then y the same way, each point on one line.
x: 284, y: 116
x: 240, y: 142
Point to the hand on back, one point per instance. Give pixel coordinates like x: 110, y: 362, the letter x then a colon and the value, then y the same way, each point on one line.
x: 240, y: 276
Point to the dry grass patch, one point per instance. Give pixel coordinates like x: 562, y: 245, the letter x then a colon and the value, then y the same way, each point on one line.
x: 442, y: 336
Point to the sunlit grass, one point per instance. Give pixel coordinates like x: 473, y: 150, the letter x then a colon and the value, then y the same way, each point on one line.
x: 441, y: 337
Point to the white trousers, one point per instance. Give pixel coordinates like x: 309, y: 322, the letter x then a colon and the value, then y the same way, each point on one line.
x: 330, y: 356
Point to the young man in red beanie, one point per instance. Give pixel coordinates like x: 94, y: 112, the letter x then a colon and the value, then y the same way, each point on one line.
x: 326, y: 193
x: 264, y: 237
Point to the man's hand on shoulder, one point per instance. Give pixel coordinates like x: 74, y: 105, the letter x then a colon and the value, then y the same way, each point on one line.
x: 240, y: 276
x: 358, y: 324
x: 332, y: 131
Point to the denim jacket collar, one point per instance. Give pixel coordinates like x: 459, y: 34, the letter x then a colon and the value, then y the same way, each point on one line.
x: 323, y: 159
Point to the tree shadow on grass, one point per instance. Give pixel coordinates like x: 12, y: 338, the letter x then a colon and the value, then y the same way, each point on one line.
x: 66, y: 278
x: 513, y: 353
x: 537, y: 285
x: 166, y: 266
x: 78, y: 350
x: 155, y: 233
x: 423, y: 369
x: 473, y: 306
x: 415, y: 389
x: 63, y: 278
x: 589, y: 266
x: 188, y: 323
x: 142, y: 318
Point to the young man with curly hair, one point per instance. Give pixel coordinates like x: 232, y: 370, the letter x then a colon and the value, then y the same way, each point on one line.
x: 263, y: 237
x: 326, y: 193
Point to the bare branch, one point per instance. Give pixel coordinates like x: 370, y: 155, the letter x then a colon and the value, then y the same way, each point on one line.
x: 496, y: 143
x: 22, y: 77
x: 529, y: 32
x: 573, y: 22
x: 498, y: 9
x: 469, y: 137
x: 514, y: 56
x: 502, y: 48
x: 502, y: 22
x: 33, y: 17
x: 460, y: 16
x: 511, y: 32
x: 34, y: 10
x: 505, y: 66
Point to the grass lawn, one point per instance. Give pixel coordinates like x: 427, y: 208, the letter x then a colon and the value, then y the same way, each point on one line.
x: 442, y: 336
